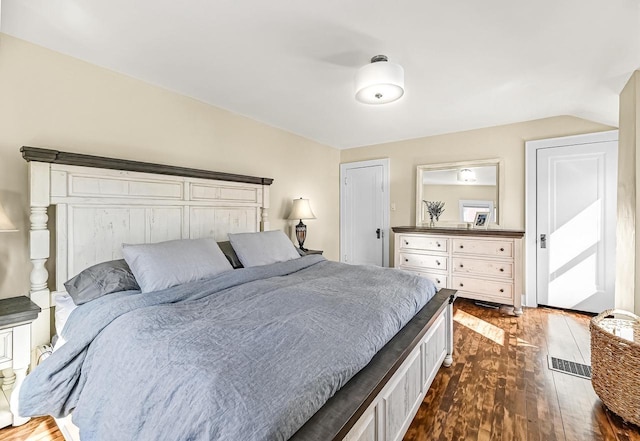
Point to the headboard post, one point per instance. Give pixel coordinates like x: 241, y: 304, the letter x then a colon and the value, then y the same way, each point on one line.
x: 39, y: 201
x: 265, y: 208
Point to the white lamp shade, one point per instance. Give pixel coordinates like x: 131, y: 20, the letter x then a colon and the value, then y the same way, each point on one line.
x: 5, y: 223
x: 379, y: 83
x: 301, y: 210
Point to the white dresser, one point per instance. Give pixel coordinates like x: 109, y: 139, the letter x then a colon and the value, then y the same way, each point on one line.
x: 481, y: 264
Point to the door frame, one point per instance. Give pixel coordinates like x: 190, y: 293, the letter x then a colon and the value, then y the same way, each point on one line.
x: 531, y: 171
x: 386, y: 198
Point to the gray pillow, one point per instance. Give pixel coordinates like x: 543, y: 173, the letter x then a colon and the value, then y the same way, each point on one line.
x: 162, y: 265
x: 231, y: 255
x: 101, y: 279
x: 255, y: 249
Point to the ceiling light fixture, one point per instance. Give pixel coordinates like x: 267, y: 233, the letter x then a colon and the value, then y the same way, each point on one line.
x: 466, y: 175
x: 380, y: 82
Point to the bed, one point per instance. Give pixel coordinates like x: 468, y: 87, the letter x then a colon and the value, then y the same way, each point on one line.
x: 101, y: 203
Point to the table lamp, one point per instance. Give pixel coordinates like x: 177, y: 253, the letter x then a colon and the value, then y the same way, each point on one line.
x: 301, y: 210
x: 5, y: 223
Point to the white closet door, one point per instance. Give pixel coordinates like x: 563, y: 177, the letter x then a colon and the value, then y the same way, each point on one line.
x: 364, y: 222
x: 576, y: 226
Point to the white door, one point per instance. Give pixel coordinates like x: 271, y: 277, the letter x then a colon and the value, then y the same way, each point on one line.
x: 576, y: 225
x: 364, y: 215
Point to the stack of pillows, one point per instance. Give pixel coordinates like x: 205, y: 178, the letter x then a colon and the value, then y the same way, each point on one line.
x: 152, y: 267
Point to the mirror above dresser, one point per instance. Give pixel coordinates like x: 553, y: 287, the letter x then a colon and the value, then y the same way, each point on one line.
x: 465, y: 188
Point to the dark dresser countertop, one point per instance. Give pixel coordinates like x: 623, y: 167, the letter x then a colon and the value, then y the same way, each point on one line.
x: 461, y: 231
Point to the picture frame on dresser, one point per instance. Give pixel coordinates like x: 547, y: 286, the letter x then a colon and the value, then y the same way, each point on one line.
x: 481, y: 220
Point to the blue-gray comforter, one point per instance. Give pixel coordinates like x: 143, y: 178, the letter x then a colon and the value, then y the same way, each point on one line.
x: 248, y: 355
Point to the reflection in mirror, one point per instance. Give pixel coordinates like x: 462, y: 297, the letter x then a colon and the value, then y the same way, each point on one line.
x: 466, y: 188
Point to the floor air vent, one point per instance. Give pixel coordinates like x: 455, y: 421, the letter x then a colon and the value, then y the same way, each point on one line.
x: 570, y: 367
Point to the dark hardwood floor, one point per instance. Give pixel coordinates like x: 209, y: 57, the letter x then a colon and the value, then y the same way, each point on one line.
x: 498, y: 388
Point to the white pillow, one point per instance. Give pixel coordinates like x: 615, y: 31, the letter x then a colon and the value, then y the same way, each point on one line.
x: 161, y: 265
x: 255, y: 249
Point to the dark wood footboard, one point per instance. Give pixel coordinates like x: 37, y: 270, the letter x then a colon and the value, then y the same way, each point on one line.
x: 339, y: 415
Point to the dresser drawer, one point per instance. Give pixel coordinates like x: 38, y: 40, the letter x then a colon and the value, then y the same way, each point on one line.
x: 6, y: 348
x: 441, y: 280
x: 502, y: 290
x: 492, y: 248
x: 491, y: 268
x: 423, y: 261
x: 427, y: 243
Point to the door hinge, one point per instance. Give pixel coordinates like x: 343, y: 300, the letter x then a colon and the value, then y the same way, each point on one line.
x: 346, y: 180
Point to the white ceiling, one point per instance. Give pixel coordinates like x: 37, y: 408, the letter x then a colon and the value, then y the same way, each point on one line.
x: 291, y: 64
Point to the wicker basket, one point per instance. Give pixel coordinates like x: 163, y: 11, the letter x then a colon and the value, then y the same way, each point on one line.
x: 615, y: 359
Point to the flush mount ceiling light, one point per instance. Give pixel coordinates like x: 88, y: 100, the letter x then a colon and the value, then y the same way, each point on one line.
x: 380, y: 82
x: 466, y: 175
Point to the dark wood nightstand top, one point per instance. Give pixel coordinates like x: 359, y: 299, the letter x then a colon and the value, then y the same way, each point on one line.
x: 17, y: 310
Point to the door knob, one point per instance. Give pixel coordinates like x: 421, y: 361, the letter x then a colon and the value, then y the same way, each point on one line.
x: 543, y: 241
x: 378, y: 233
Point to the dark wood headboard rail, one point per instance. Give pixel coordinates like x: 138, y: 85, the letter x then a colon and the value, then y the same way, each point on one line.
x: 37, y: 154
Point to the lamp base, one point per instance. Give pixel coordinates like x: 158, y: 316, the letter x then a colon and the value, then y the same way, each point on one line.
x: 301, y: 235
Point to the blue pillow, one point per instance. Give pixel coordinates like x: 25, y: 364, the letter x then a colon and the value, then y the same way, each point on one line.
x: 255, y: 249
x: 101, y: 279
x: 162, y: 265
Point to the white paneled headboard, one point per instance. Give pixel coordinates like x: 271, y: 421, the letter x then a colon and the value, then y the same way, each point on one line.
x: 101, y: 203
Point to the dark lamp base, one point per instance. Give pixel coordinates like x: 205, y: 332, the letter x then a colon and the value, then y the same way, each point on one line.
x: 301, y: 235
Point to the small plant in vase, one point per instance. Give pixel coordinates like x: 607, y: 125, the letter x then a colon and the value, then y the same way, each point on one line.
x: 435, y: 209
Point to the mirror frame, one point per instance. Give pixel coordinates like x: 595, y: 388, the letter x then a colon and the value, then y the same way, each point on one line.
x: 498, y: 162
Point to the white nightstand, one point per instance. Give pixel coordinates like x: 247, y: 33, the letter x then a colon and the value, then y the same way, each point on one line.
x: 16, y: 315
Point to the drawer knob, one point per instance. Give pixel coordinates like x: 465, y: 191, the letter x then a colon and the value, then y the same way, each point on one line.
x: 406, y: 260
x: 461, y: 246
x: 437, y: 262
x: 501, y: 249
x: 438, y: 281
x: 406, y: 243
x: 461, y: 284
x: 461, y: 266
x: 502, y: 270
x: 438, y: 244
x: 501, y: 290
